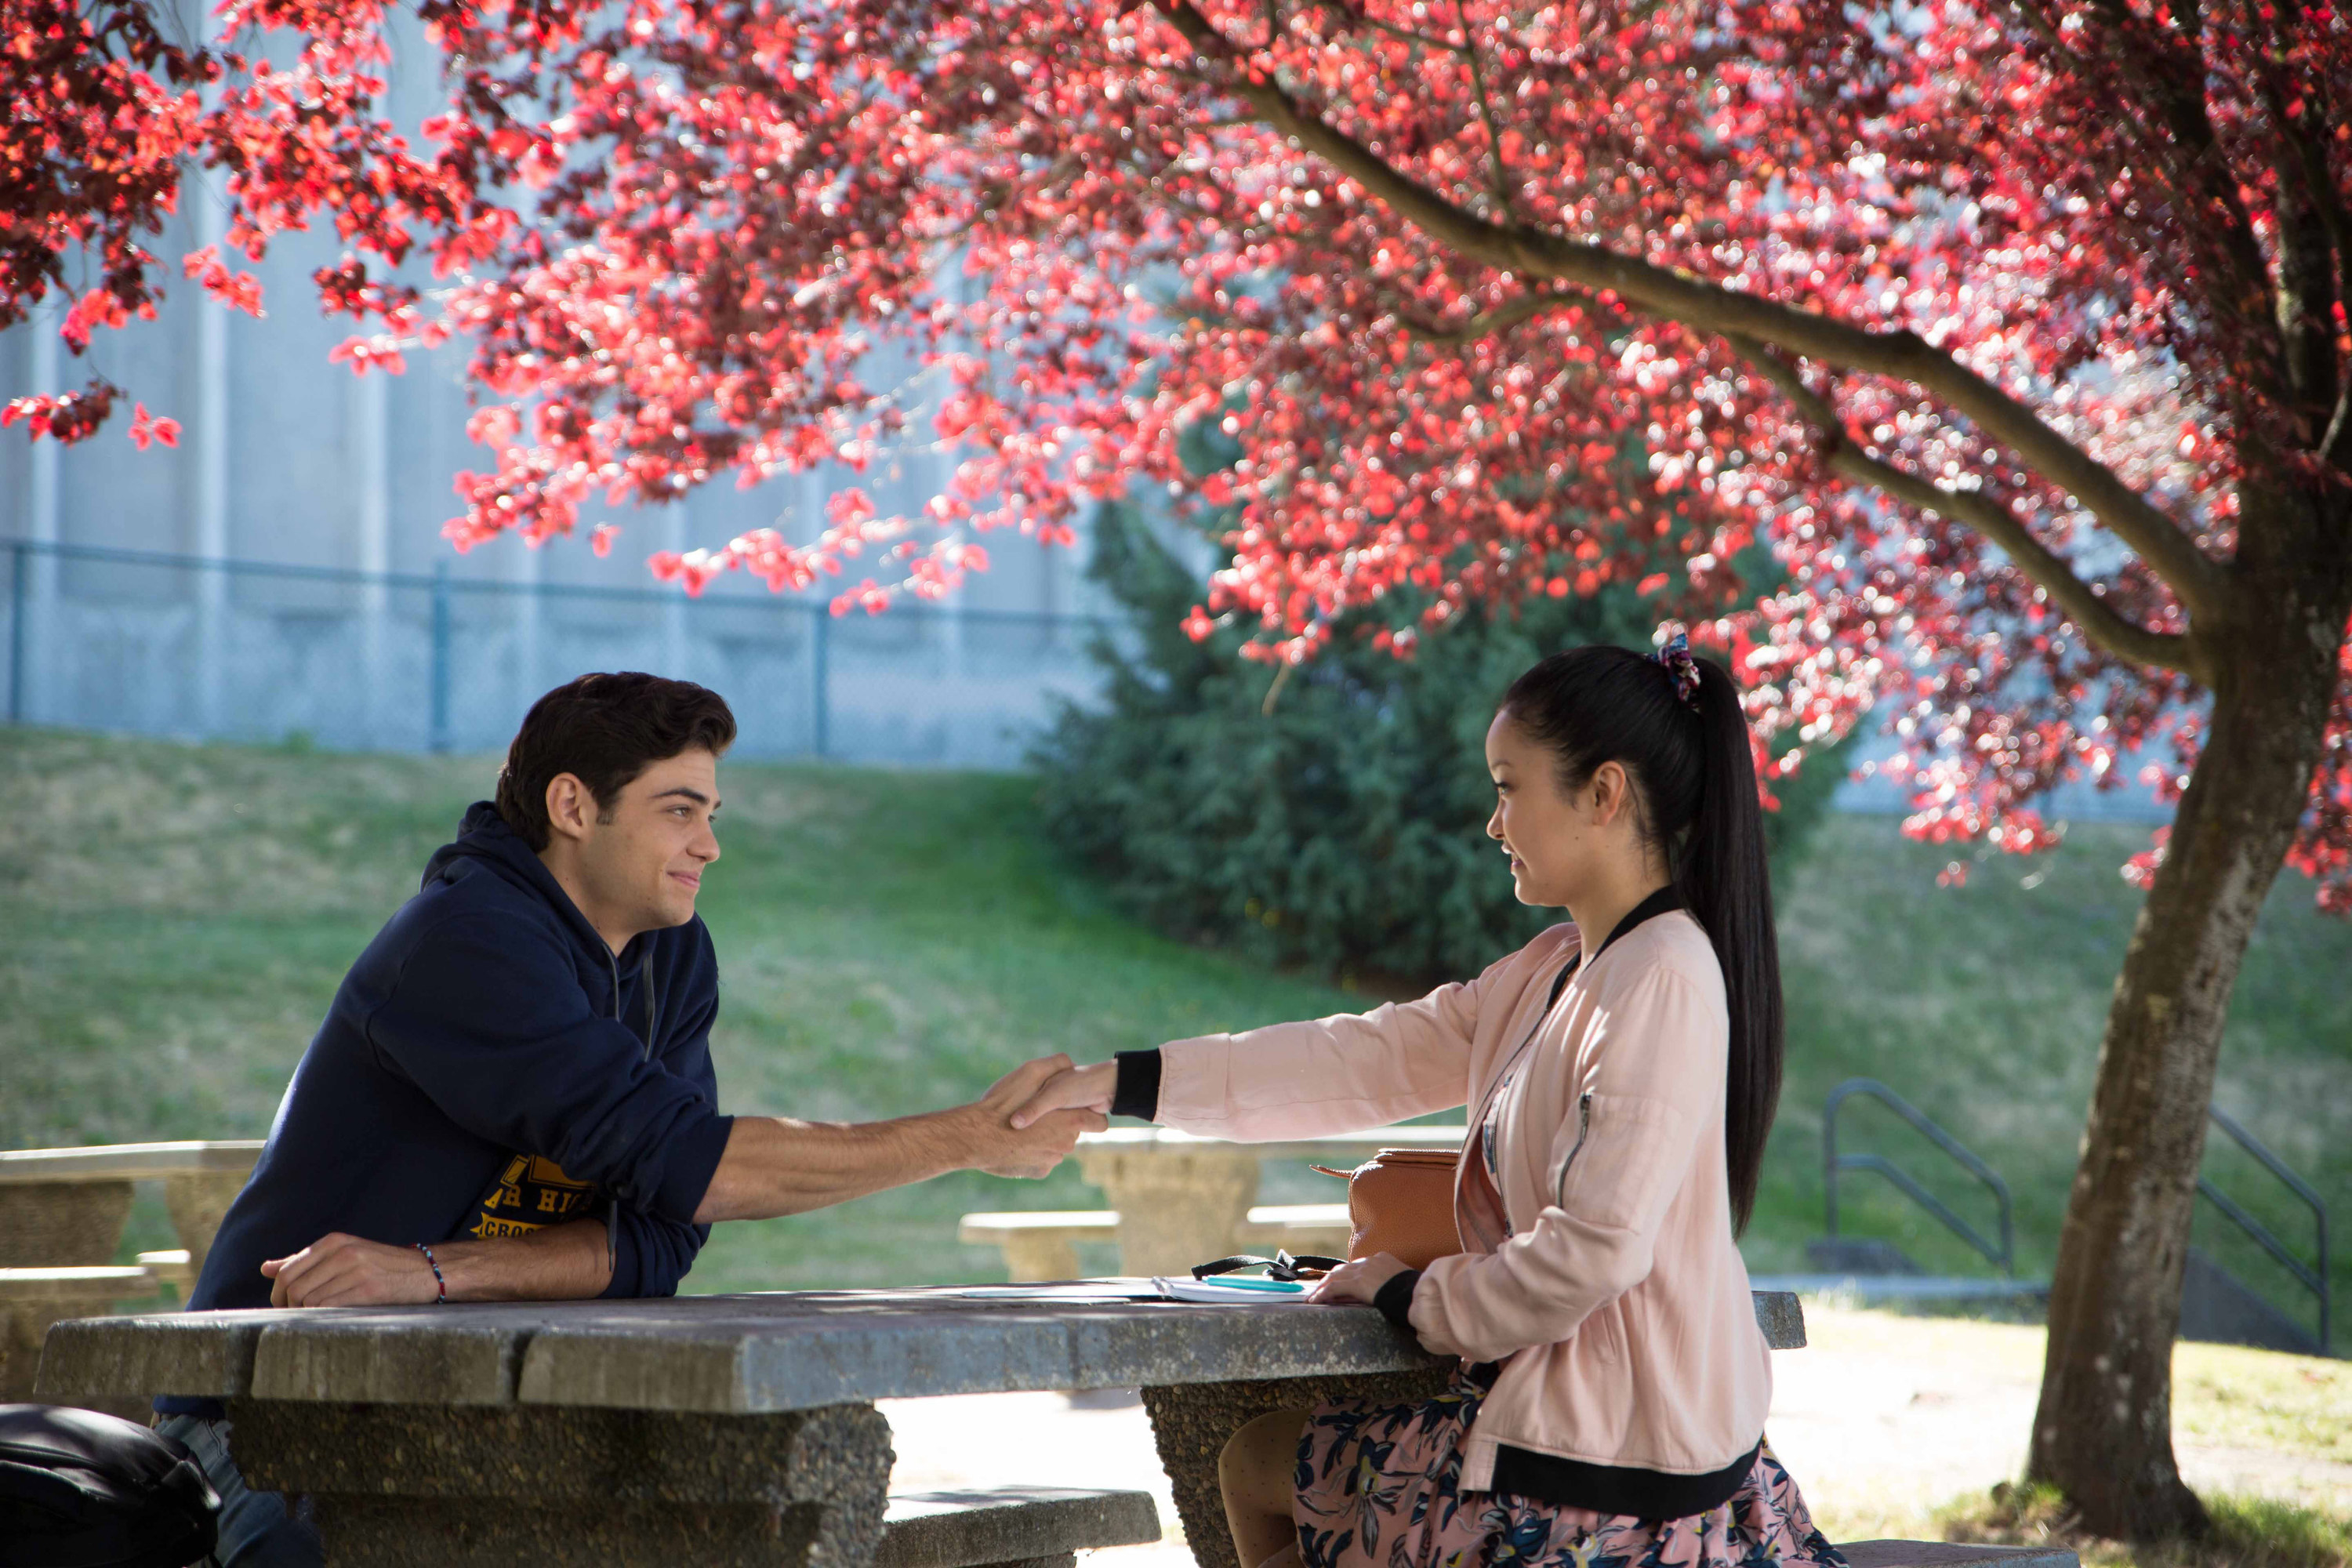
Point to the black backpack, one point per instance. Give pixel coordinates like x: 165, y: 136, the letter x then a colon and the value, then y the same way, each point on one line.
x: 79, y: 1489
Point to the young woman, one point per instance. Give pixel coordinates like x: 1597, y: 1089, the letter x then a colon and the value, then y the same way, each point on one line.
x: 1622, y: 1072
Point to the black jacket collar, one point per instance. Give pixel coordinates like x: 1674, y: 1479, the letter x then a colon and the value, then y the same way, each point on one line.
x: 1664, y: 902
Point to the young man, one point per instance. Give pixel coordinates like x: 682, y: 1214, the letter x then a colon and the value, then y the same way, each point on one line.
x: 511, y: 1097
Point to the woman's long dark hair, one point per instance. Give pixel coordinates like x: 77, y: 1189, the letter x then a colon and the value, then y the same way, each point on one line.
x: 1695, y: 799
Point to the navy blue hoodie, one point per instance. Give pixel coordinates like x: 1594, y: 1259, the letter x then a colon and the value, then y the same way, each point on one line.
x: 488, y: 1021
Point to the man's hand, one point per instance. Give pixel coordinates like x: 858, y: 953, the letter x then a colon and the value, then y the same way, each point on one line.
x: 1071, y: 1088
x: 1359, y: 1280
x: 566, y: 1262
x: 1017, y: 1137
x: 339, y: 1270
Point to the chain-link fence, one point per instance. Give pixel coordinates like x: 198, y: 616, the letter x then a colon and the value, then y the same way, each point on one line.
x: 184, y: 646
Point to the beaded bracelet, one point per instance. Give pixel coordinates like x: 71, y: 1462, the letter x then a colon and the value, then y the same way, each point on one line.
x: 440, y: 1284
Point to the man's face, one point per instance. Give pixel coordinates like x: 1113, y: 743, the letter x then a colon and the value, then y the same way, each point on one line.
x: 642, y: 860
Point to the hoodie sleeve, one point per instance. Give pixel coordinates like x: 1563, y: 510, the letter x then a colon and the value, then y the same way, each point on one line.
x: 651, y: 1254
x: 488, y: 1019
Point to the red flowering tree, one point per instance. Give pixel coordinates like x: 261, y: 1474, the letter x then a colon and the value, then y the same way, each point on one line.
x: 2016, y: 327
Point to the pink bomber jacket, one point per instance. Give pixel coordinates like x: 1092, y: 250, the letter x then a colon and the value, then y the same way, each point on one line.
x: 1620, y: 1306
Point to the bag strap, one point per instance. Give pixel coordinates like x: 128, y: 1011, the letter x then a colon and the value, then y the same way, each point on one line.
x: 1282, y: 1265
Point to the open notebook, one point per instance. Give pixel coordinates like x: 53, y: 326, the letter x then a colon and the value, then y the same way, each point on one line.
x: 1254, y: 1293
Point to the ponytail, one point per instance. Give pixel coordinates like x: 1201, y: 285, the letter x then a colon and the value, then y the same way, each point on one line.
x: 1686, y: 749
x: 1726, y: 886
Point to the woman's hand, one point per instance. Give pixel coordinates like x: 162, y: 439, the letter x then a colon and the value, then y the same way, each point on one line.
x: 1072, y: 1088
x: 1359, y: 1280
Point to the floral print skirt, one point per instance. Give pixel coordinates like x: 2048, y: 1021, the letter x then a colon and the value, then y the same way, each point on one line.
x: 1379, y: 1486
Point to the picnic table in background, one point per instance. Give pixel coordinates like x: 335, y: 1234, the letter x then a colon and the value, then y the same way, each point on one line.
x: 1178, y: 1199
x: 62, y: 1212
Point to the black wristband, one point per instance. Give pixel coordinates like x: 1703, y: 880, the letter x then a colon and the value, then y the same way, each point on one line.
x: 1394, y: 1301
x: 1136, y: 1091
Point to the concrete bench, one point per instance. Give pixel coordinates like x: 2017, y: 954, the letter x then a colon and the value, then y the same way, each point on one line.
x: 1022, y: 1527
x: 1040, y: 1244
x: 1320, y: 1228
x: 173, y: 1268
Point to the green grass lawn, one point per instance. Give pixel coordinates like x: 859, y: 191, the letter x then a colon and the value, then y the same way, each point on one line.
x: 174, y: 920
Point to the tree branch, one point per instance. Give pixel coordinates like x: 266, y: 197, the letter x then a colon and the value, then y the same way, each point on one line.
x: 2313, y: 266
x: 2336, y: 445
x: 1501, y: 319
x: 1486, y: 110
x: 2309, y: 234
x: 2172, y: 81
x: 1844, y: 455
x: 1406, y: 34
x: 1693, y: 302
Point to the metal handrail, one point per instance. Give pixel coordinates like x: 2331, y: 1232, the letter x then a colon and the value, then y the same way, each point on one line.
x: 2314, y: 1281
x: 2002, y: 1257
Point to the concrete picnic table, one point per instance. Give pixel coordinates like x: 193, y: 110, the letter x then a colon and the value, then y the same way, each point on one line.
x: 1181, y: 1199
x: 709, y: 1429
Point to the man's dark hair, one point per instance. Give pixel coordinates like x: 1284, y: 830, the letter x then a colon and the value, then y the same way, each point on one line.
x: 605, y: 729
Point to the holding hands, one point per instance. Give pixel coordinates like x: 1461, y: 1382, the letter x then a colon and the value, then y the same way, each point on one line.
x: 1036, y: 1116
x: 1087, y: 1091
x: 1086, y: 1088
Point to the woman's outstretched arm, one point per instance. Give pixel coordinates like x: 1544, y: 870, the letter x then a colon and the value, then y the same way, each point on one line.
x: 1339, y: 1074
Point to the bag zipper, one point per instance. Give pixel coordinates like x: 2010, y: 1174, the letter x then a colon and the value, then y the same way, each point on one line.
x: 1584, y: 1128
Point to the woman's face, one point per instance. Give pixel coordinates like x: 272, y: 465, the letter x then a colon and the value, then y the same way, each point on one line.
x: 1539, y: 824
x: 1562, y: 843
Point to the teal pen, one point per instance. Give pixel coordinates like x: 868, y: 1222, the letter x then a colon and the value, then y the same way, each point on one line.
x: 1282, y: 1287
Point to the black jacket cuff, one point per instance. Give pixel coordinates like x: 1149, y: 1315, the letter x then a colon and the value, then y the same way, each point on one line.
x: 1395, y: 1299
x: 1136, y: 1091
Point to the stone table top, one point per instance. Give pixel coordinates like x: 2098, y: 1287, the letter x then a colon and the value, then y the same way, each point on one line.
x: 128, y: 1162
x: 736, y: 1355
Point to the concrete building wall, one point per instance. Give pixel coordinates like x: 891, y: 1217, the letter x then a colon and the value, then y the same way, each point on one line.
x: 288, y: 461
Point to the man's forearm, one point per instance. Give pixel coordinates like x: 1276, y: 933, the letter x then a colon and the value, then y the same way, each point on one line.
x: 777, y: 1165
x: 774, y: 1165
x: 567, y: 1262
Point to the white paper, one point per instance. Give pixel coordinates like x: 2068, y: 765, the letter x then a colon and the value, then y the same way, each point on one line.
x: 1210, y: 1290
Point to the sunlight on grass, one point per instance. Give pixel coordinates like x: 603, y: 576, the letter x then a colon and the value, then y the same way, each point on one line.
x: 1884, y: 1417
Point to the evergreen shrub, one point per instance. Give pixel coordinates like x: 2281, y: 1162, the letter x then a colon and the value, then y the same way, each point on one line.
x: 1340, y: 827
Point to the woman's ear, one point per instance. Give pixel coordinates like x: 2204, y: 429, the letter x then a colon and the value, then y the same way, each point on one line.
x: 1611, y: 791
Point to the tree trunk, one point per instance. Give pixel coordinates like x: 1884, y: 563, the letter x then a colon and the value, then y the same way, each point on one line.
x: 2103, y: 1432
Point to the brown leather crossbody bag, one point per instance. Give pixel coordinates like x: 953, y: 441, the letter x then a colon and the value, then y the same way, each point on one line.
x: 1401, y: 1202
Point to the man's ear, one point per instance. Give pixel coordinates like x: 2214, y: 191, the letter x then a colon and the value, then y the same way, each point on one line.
x: 572, y: 809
